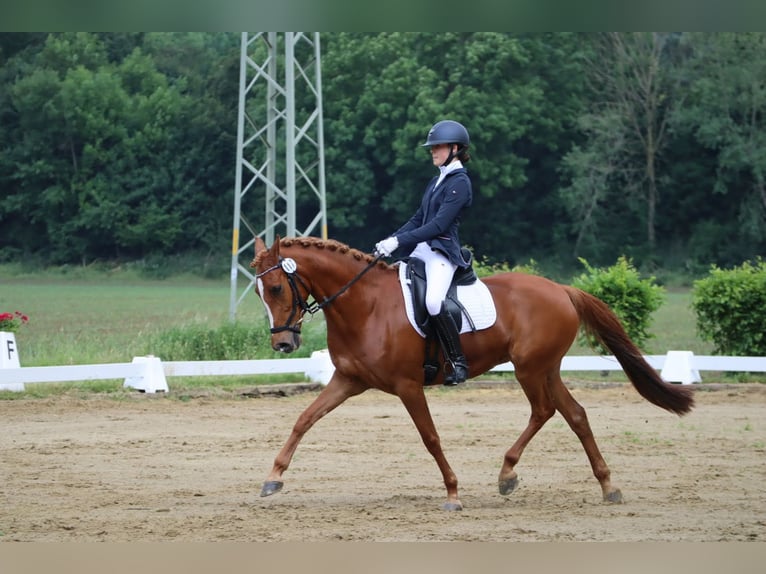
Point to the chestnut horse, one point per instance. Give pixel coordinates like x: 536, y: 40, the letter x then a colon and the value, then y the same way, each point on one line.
x: 372, y: 345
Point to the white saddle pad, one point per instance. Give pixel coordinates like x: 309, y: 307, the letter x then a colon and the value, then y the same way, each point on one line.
x: 476, y: 299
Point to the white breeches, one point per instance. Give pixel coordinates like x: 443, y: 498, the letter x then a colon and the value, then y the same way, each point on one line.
x: 439, y: 273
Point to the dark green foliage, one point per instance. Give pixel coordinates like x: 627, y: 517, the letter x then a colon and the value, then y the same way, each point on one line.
x: 121, y: 146
x: 730, y: 306
x: 633, y: 299
x: 112, y: 149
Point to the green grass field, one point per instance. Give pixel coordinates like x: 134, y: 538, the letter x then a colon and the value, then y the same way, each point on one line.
x: 80, y: 323
x: 111, y: 318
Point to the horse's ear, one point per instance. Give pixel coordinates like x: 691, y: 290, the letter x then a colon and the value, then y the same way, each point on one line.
x: 275, y: 246
x: 259, y: 245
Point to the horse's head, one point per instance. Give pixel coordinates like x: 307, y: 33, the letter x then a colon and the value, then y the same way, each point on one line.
x: 283, y: 293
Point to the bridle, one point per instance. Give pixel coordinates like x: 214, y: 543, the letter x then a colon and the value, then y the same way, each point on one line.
x: 301, y: 306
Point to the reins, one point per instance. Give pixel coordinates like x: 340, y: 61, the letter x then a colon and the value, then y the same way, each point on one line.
x: 291, y: 271
x: 347, y: 286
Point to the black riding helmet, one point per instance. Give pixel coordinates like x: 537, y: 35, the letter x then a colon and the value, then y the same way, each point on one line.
x: 447, y: 131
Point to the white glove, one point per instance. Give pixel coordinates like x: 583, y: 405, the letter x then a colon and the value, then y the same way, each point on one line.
x: 387, y: 246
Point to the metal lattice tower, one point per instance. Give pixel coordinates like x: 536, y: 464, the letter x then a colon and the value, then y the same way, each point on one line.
x: 280, y: 146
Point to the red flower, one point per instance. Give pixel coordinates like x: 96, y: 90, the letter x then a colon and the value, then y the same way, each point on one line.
x: 12, y: 321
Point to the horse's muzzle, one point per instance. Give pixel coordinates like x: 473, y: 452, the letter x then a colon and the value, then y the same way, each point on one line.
x: 287, y: 346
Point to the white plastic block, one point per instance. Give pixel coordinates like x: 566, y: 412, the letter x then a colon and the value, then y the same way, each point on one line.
x: 679, y: 368
x: 152, y: 379
x: 322, y: 368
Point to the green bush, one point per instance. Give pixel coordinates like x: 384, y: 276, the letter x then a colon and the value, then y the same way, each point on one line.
x: 229, y: 342
x: 730, y: 307
x: 631, y: 298
x: 484, y: 269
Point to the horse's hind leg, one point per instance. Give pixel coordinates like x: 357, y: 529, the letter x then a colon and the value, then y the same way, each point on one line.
x: 577, y: 419
x: 542, y: 410
x: 336, y: 392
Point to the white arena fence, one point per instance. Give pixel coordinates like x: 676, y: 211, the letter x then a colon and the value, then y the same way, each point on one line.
x: 149, y: 374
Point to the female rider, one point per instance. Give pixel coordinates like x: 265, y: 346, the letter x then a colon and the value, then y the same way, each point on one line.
x: 432, y: 233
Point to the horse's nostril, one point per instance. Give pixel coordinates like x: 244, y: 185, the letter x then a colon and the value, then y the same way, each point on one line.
x: 283, y: 347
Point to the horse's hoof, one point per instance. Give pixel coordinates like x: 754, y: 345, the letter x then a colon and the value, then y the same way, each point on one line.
x: 614, y: 497
x: 508, y: 486
x: 271, y: 487
x: 452, y: 506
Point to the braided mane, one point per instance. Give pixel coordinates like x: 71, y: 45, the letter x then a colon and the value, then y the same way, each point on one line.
x: 332, y: 245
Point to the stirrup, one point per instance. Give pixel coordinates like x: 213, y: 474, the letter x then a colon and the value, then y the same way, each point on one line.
x: 458, y: 375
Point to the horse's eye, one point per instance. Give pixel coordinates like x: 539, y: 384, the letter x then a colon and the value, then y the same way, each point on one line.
x: 275, y: 289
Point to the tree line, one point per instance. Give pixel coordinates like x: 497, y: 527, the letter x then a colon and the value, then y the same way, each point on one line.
x: 121, y: 146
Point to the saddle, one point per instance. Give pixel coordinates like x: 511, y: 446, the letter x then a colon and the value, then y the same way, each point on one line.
x: 416, y: 275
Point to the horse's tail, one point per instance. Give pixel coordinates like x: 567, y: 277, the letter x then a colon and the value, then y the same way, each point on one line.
x: 601, y: 322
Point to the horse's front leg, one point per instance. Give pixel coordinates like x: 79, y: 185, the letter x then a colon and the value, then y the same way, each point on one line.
x: 414, y: 400
x: 336, y: 392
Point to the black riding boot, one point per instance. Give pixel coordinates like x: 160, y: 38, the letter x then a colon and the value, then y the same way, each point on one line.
x: 450, y: 339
